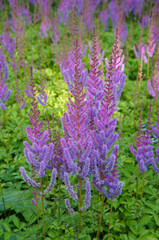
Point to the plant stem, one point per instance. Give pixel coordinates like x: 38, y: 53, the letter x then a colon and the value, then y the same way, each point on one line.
x: 47, y: 185
x: 54, y: 201
x: 142, y: 191
x: 137, y: 184
x: 21, y: 125
x: 148, y: 68
x: 110, y: 218
x: 37, y: 214
x: 42, y: 204
x: 80, y: 202
x: 100, y: 220
x: 6, y: 119
x: 59, y: 194
x: 156, y: 178
x: 3, y: 201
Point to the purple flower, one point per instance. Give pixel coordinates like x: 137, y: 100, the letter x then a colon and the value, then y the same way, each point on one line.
x: 144, y: 153
x: 68, y: 206
x: 28, y: 179
x: 104, y: 16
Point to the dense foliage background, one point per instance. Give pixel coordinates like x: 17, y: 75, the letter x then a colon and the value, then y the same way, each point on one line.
x: 128, y: 218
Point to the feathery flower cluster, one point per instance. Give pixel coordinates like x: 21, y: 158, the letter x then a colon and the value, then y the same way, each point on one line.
x: 144, y: 154
x: 141, y: 52
x: 40, y: 153
x: 76, y: 143
x: 117, y: 69
x: 8, y: 44
x: 4, y: 95
x: 153, y: 87
x: 155, y: 131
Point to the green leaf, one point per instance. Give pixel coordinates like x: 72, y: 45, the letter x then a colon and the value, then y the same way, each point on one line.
x: 85, y: 237
x: 136, y: 228
x: 16, y: 221
x: 7, y: 235
x: 6, y: 227
x: 156, y: 217
x: 53, y: 233
x: 27, y: 215
x: 1, y: 231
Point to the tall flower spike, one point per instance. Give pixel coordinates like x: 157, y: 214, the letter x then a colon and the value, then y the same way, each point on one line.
x: 40, y: 153
x: 75, y: 144
x: 144, y: 153
x: 4, y: 95
x: 104, y: 167
x: 95, y: 84
x: 117, y: 68
x: 153, y: 87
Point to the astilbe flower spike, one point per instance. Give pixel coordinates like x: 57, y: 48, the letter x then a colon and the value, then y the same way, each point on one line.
x: 117, y: 69
x: 95, y: 84
x: 76, y: 146
x: 155, y: 130
x: 104, y: 17
x: 103, y: 166
x: 144, y: 153
x: 141, y: 52
x: 40, y: 153
x: 4, y: 95
x: 8, y: 44
x: 153, y: 87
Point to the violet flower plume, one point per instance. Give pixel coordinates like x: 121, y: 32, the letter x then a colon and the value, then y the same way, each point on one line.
x: 4, y: 93
x: 144, y: 153
x: 76, y: 143
x: 116, y: 69
x: 8, y: 44
x: 38, y: 154
x: 104, y: 168
x: 104, y: 17
x: 153, y: 85
x: 68, y: 206
x: 95, y: 83
x: 155, y: 130
x: 141, y: 52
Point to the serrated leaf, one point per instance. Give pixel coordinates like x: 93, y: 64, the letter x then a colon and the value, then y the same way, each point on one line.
x: 7, y: 235
x: 156, y: 217
x: 1, y: 231
x: 6, y: 227
x: 137, y: 229
x: 16, y: 221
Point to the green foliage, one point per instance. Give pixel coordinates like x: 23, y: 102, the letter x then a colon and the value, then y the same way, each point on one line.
x: 19, y: 219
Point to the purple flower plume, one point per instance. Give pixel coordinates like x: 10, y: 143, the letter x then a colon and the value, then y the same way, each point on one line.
x: 144, y: 153
x: 28, y: 179
x: 68, y: 206
x: 4, y: 94
x: 39, y: 154
x: 153, y: 86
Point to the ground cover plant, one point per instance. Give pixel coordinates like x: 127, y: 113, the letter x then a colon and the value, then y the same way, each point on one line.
x: 79, y: 119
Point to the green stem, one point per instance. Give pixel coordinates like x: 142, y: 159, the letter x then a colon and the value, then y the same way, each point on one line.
x: 59, y: 194
x: 6, y: 119
x: 3, y: 201
x: 21, y: 125
x: 80, y: 203
x: 42, y: 204
x: 47, y: 182
x: 148, y: 68
x: 110, y: 218
x: 37, y: 214
x: 142, y: 191
x: 156, y: 178
x: 100, y: 220
x: 54, y: 201
x: 137, y: 184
